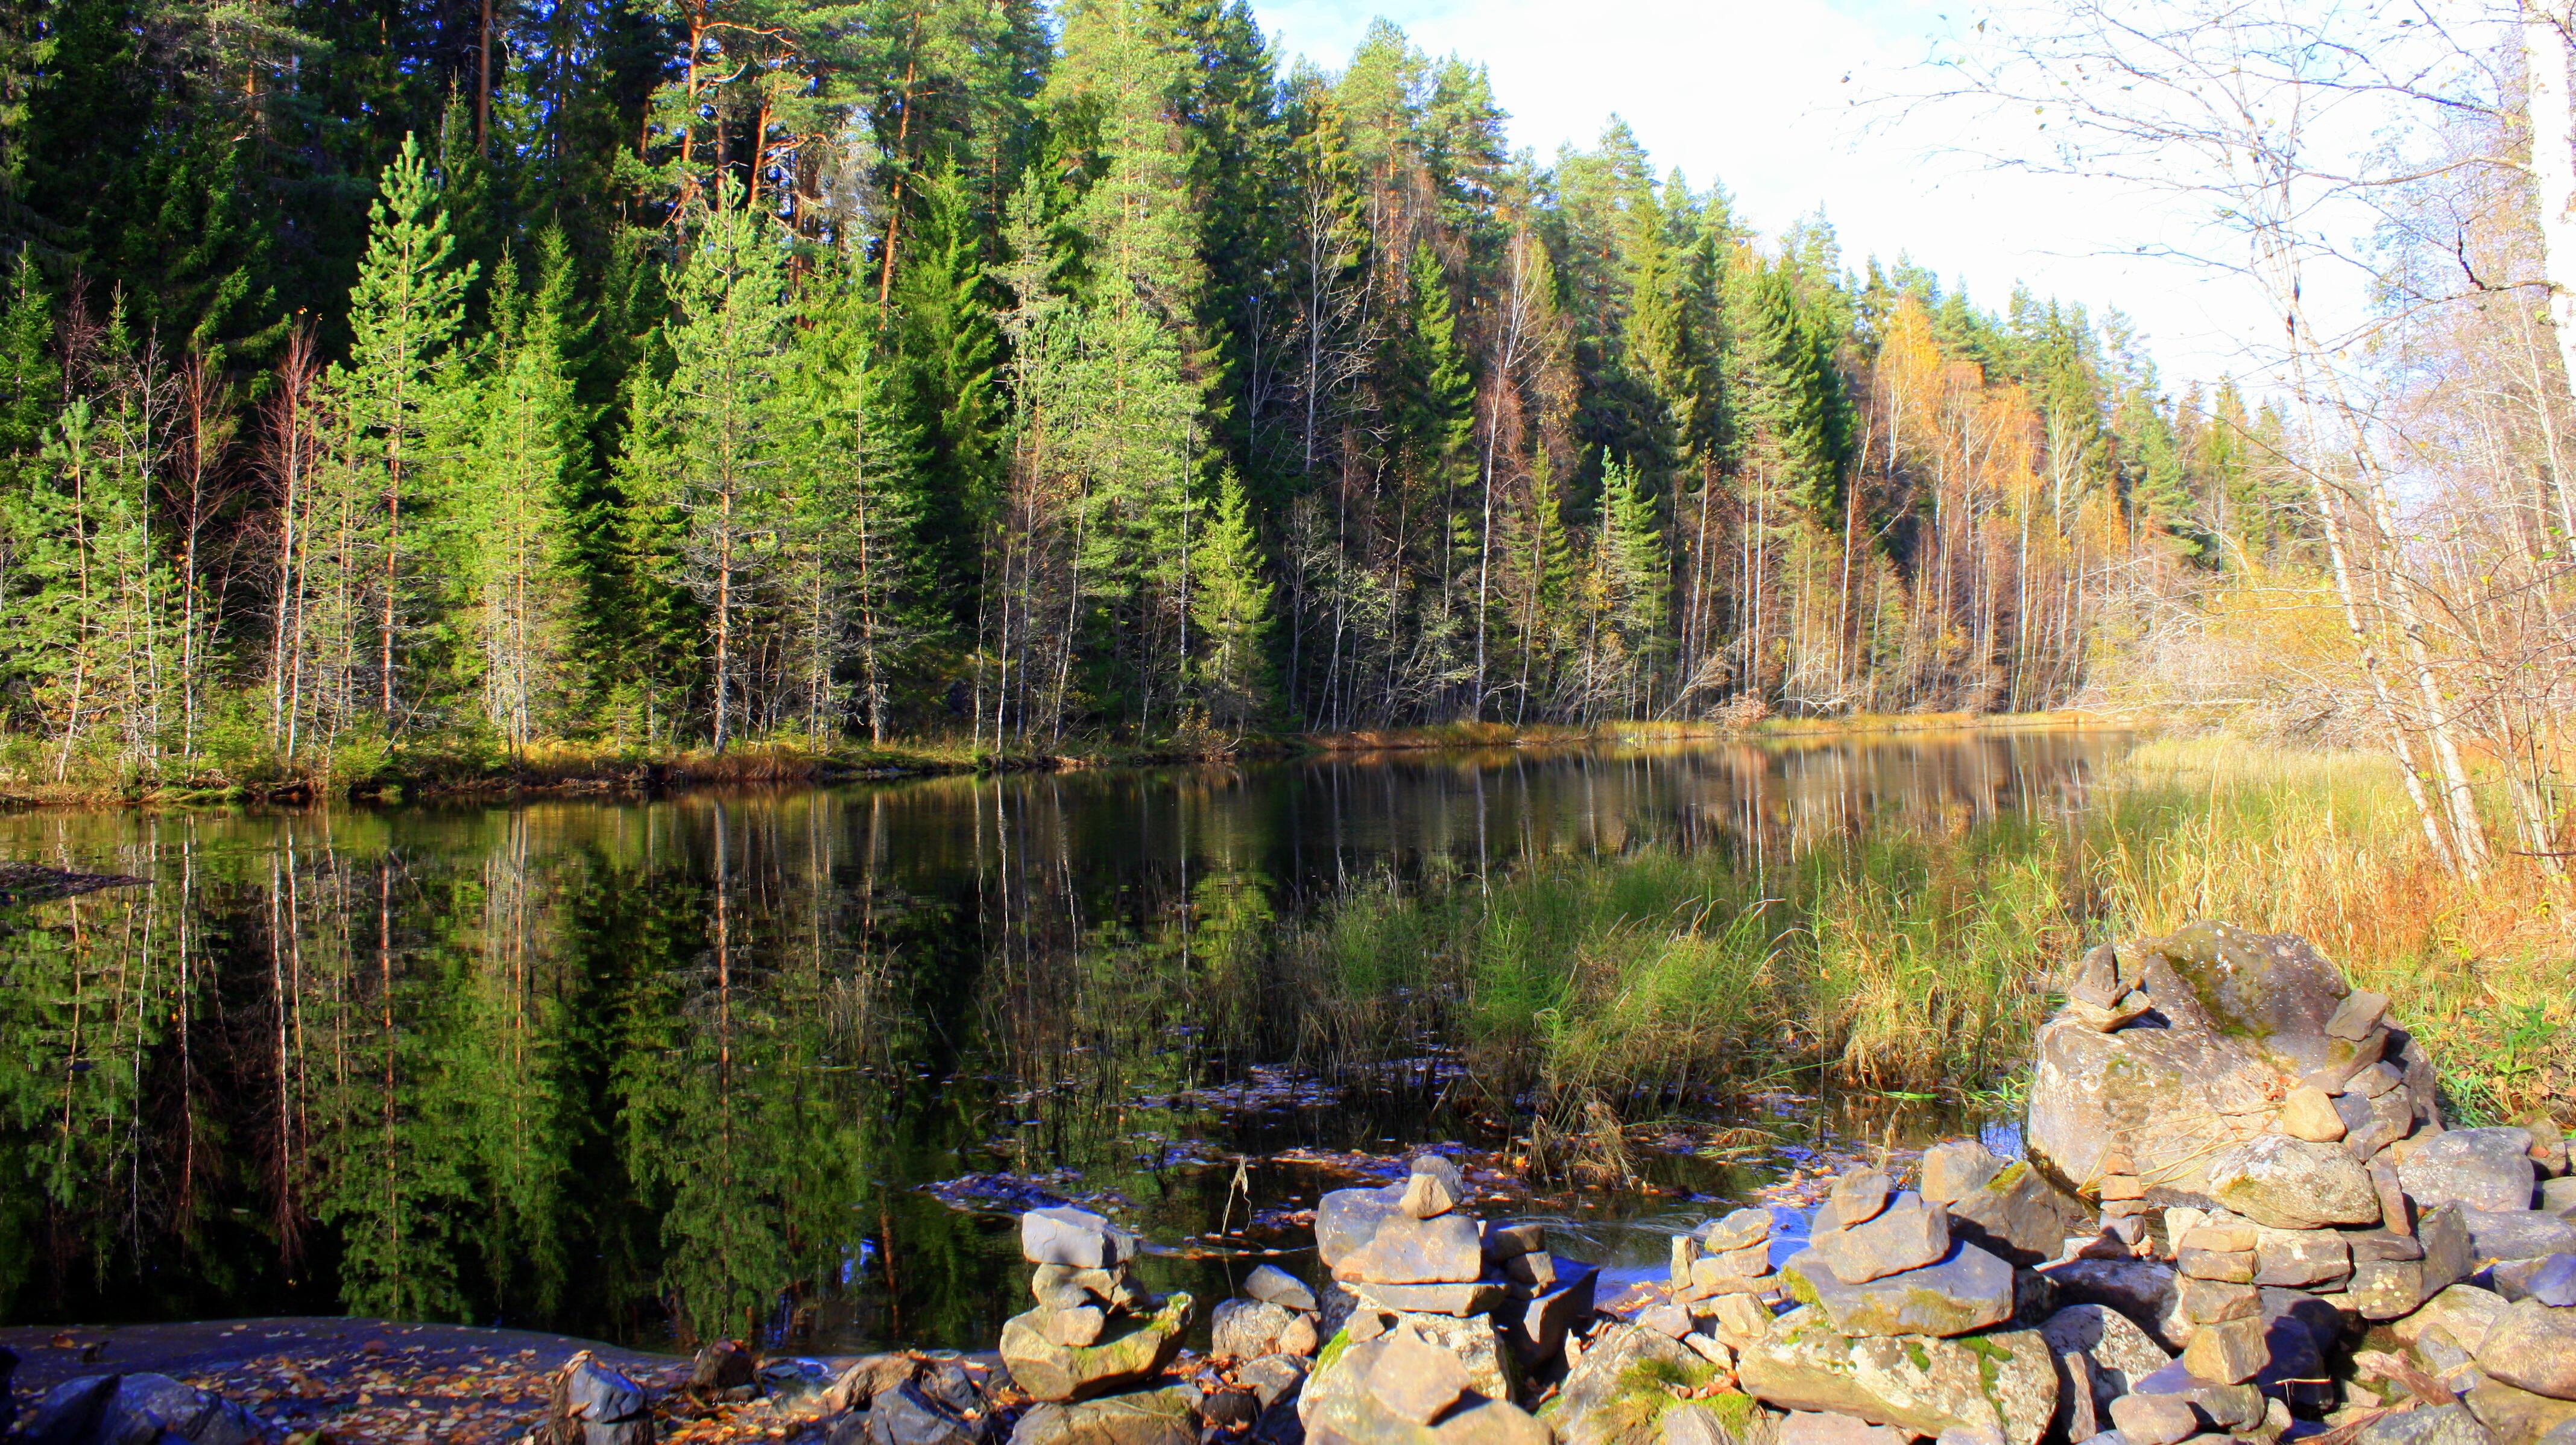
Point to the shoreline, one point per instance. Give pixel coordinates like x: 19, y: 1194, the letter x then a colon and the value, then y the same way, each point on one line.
x: 573, y: 773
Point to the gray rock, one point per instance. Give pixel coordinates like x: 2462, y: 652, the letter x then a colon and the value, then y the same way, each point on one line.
x: 2532, y: 1346
x: 2229, y: 1407
x: 1958, y: 1168
x: 2360, y: 1012
x: 1825, y: 1427
x: 1615, y: 1394
x: 2426, y: 1425
x: 1443, y: 1170
x: 1244, y: 1329
x: 904, y: 1416
x: 1540, y: 1328
x: 2464, y: 1312
x: 1669, y: 1320
x: 2292, y: 1184
x: 2005, y: 1381
x: 1074, y: 1238
x: 2392, y: 1289
x: 2558, y: 1196
x: 2098, y: 1352
x: 2016, y: 1213
x: 1337, y: 1404
x: 1739, y: 1229
x: 1079, y: 1326
x: 2142, y: 1289
x: 2228, y: 1352
x: 595, y: 1405
x: 2476, y: 1168
x: 1426, y: 1196
x: 1064, y: 1287
x: 2301, y: 1258
x: 1856, y: 1198
x: 1506, y: 1238
x: 1905, y: 1233
x: 2517, y: 1233
x: 2154, y: 1419
x: 1273, y: 1378
x: 1277, y: 1286
x: 1049, y: 1371
x: 116, y: 1409
x: 2516, y: 1415
x: 2554, y: 1283
x: 1168, y: 1416
x: 1364, y: 1234
x: 1687, y: 1423
x: 1471, y: 1298
x: 2309, y: 1113
x: 1414, y: 1381
x: 1968, y: 1290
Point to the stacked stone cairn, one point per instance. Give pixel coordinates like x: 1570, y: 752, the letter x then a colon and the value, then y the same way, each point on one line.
x: 1261, y: 1347
x: 2283, y: 1207
x: 1093, y: 1351
x: 1434, y: 1316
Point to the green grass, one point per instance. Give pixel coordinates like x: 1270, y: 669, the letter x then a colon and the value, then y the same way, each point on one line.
x: 1919, y: 958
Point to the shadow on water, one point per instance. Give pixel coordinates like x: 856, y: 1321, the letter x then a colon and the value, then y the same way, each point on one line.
x: 782, y: 1065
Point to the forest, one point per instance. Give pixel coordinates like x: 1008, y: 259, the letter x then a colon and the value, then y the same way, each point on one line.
x: 443, y: 378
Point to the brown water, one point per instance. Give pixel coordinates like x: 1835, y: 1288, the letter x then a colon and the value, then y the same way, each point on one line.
x: 782, y: 1064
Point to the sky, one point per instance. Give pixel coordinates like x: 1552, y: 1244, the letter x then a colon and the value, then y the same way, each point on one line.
x: 1759, y: 96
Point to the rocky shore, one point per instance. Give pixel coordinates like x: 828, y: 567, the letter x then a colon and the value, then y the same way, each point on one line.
x: 2241, y: 1216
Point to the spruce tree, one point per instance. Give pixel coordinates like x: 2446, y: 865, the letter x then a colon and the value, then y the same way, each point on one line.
x: 1232, y: 609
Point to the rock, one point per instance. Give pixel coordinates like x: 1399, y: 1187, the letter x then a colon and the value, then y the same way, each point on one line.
x: 906, y: 1416
x: 859, y: 1385
x: 1957, y: 1169
x: 1433, y: 1299
x: 1857, y: 1197
x: 1817, y: 1427
x: 2477, y: 1168
x: 1075, y: 1238
x: 1669, y: 1320
x: 1273, y: 1378
x: 153, y: 1409
x: 1615, y: 1393
x: 2004, y: 1380
x: 2426, y: 1425
x: 1740, y: 1229
x: 1077, y: 1327
x: 2308, y: 1113
x: 724, y: 1365
x: 1066, y: 1288
x: 1968, y: 1290
x: 2206, y: 1301
x: 2301, y: 1258
x: 2240, y: 1011
x: 1414, y: 1381
x: 1049, y: 1371
x: 2532, y: 1346
x: 2230, y: 1267
x: 1540, y: 1330
x: 2292, y: 1184
x: 1364, y: 1234
x: 1531, y: 1273
x: 1741, y: 1320
x: 2154, y: 1419
x: 2015, y: 1213
x: 1247, y: 1329
x: 591, y: 1404
x: 2558, y: 1196
x: 2514, y: 1415
x: 2141, y: 1289
x: 2095, y: 978
x: 1476, y: 1342
x: 1688, y: 1423
x: 1273, y: 1285
x: 2360, y: 1012
x: 1338, y: 1408
x: 2098, y: 1352
x: 2517, y: 1233
x: 2554, y: 1283
x: 1229, y: 1409
x: 2229, y: 1407
x: 2229, y: 1352
x: 1168, y: 1416
x: 2464, y: 1312
x: 1425, y: 1197
x: 1504, y: 1239
x: 1903, y: 1233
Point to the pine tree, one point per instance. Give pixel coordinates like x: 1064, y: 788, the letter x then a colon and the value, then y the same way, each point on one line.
x: 712, y: 441
x: 1232, y: 609
x: 404, y: 317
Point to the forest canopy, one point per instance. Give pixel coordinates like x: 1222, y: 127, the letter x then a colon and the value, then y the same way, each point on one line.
x: 479, y: 374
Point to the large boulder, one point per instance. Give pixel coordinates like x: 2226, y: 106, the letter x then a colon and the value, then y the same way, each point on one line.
x: 591, y: 1404
x: 1620, y: 1390
x: 2532, y: 1346
x: 2287, y: 1183
x: 115, y: 1409
x: 2099, y: 1352
x: 1342, y: 1406
x: 2008, y: 1209
x: 2515, y: 1415
x: 1366, y: 1235
x: 2144, y: 1290
x: 1051, y: 1371
x: 1968, y: 1290
x: 2233, y: 1017
x: 2005, y: 1382
x: 1168, y: 1416
x: 2474, y: 1168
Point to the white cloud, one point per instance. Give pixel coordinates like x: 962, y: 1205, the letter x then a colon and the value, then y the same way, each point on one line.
x: 1758, y: 95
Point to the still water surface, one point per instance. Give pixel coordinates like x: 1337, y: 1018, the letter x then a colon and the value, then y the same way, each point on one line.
x: 780, y: 1064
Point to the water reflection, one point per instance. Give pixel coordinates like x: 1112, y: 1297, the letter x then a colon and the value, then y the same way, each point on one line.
x: 661, y: 1070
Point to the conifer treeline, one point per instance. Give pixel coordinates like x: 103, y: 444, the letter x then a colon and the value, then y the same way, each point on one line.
x: 481, y: 372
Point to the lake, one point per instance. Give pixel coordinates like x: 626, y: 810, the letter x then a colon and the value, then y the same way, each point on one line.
x: 782, y: 1064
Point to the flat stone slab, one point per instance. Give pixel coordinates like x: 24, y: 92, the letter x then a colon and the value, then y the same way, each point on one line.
x: 1968, y: 1290
x: 1364, y: 1234
x: 2004, y: 1381
x: 2476, y: 1168
x: 1050, y: 1371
